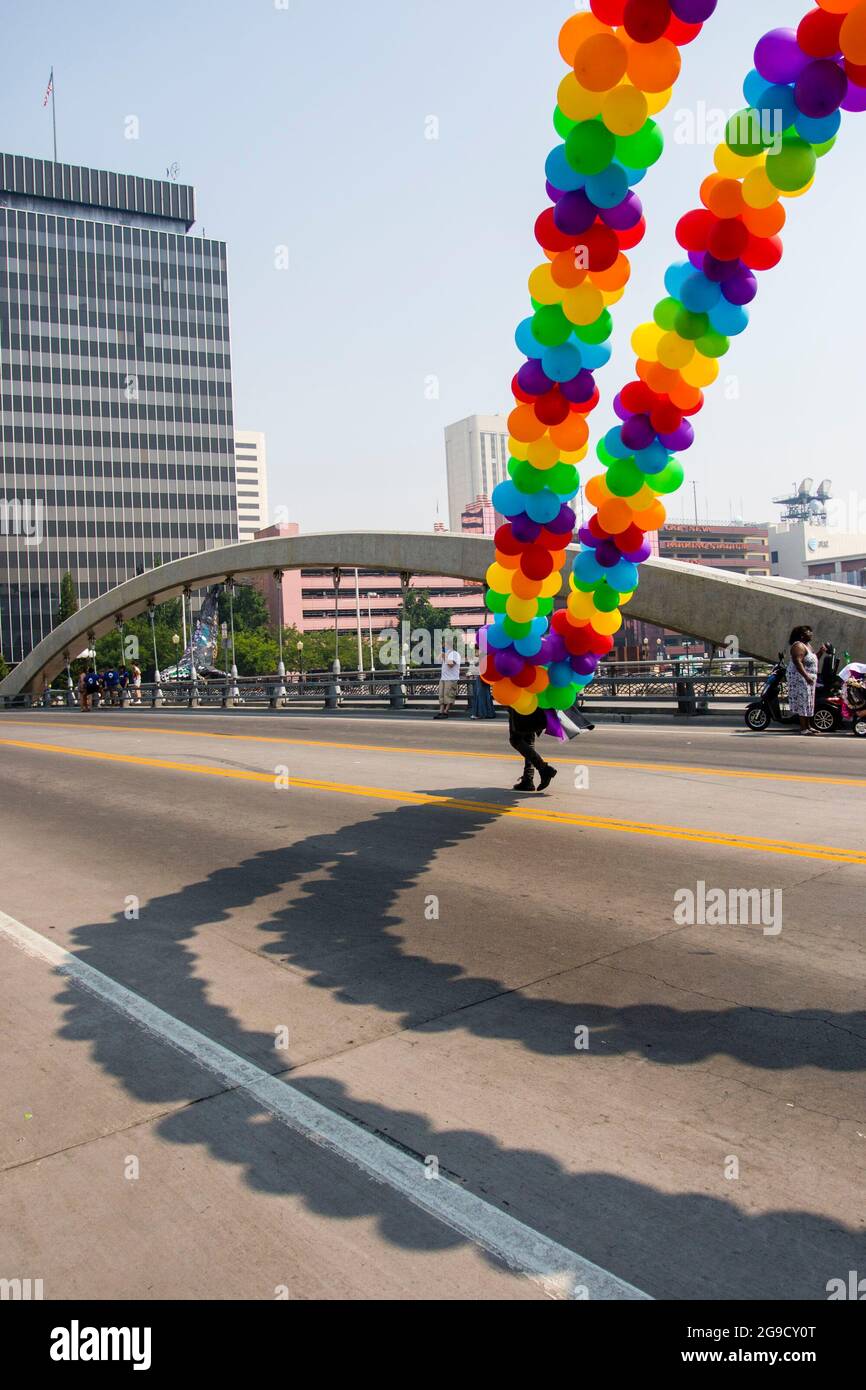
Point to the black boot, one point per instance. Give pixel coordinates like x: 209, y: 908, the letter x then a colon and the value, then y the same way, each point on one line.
x: 547, y: 777
x: 526, y: 784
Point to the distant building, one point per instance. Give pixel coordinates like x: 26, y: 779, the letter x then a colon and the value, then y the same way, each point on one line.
x: 803, y: 550
x: 476, y: 453
x: 115, y: 387
x: 479, y: 518
x: 738, y: 549
x: 251, y: 467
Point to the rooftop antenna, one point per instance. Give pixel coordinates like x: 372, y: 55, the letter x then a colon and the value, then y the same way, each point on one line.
x: 173, y: 172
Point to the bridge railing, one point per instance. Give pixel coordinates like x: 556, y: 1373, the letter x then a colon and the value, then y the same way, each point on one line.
x: 691, y: 686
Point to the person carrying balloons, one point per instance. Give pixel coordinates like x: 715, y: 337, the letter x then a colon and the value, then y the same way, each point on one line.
x: 523, y: 729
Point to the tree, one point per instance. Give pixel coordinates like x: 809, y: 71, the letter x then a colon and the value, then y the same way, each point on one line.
x: 251, y: 611
x: 4, y: 669
x: 420, y: 613
x: 68, y: 599
x: 256, y: 653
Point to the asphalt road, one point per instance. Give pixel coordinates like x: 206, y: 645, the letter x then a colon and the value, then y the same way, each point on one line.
x: 345, y: 1017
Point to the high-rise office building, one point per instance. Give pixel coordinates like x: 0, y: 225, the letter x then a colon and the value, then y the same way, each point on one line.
x: 479, y: 518
x: 117, y: 428
x: 251, y: 464
x: 476, y: 452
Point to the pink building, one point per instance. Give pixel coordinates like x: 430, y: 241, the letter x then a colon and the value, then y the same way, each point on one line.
x: 309, y: 596
x: 479, y: 518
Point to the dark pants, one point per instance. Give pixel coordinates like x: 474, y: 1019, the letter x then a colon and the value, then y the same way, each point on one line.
x: 524, y: 744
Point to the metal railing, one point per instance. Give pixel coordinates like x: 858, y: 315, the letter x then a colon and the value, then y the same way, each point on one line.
x: 695, y: 686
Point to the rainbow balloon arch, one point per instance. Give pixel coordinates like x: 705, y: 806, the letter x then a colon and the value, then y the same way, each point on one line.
x: 624, y: 60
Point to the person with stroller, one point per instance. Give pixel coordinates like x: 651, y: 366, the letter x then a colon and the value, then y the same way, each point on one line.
x: 802, y: 676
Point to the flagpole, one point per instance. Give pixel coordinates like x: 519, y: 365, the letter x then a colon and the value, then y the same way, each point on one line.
x: 53, y: 116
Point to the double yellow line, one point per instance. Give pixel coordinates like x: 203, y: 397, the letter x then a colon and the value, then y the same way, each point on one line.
x: 756, y: 843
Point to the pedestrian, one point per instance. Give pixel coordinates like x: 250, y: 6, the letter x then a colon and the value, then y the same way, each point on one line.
x: 83, y: 692
x: 523, y: 729
x: 803, y: 677
x: 449, y: 681
x: 136, y: 682
x: 481, y: 700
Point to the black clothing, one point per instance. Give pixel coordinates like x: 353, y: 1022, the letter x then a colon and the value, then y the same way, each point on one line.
x: 522, y: 730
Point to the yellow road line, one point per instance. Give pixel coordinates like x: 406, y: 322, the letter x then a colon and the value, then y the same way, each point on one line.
x: 794, y: 848
x: 688, y: 769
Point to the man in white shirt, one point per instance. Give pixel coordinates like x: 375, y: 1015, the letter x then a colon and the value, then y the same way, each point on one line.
x: 448, y: 681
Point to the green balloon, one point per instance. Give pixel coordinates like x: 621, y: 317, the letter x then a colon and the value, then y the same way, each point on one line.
x: 793, y: 167
x: 561, y: 697
x: 642, y: 149
x: 665, y: 313
x: 590, y: 147
x: 713, y: 344
x: 597, y: 332
x: 606, y: 598
x: 624, y: 478
x: 527, y: 478
x: 545, y: 606
x: 550, y: 326
x: 495, y: 602
x: 670, y: 479
x: 517, y: 630
x: 563, y: 124
x: 691, y: 326
x: 604, y: 454
x: 583, y: 587
x: 746, y: 134
x: 563, y: 478
x: 826, y: 147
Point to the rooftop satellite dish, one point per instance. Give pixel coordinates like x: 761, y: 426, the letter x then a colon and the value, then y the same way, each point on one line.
x: 805, y: 488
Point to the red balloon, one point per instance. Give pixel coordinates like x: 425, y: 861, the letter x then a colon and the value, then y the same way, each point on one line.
x: 762, y: 252
x: 559, y: 622
x: 526, y: 676
x: 600, y: 244
x: 665, y: 418
x: 553, y: 408
x: 856, y: 72
x: 587, y: 407
x: 548, y: 235
x: 578, y: 640
x: 597, y: 529
x: 693, y: 230
x: 488, y: 669
x: 632, y: 236
x: 600, y: 644
x: 646, y: 20
x: 536, y: 563
x: 638, y: 398
x: 818, y: 34
x: 728, y: 239
x: 506, y: 541
x: 681, y: 33
x: 632, y: 539
x: 608, y: 11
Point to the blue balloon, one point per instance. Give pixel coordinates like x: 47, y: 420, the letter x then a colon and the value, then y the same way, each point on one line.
x: 755, y: 87
x: 623, y: 577
x: 818, y: 130
x: 508, y: 500
x: 635, y: 176
x: 729, y: 319
x: 614, y: 445
x: 654, y: 459
x: 700, y: 294
x: 586, y: 568
x: 541, y: 506
x: 777, y: 108
x: 497, y: 636
x: 562, y: 363
x: 560, y: 673
x: 675, y: 277
x: 561, y: 174
x: 607, y: 189
x: 529, y: 646
x: 526, y: 340
x: 595, y: 355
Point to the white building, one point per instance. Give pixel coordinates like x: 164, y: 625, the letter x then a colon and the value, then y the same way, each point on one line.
x: 251, y: 465
x: 801, y: 550
x: 476, y: 452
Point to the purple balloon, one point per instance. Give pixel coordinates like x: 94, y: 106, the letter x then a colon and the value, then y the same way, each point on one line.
x: 638, y: 433
x: 697, y: 259
x: 564, y: 523
x: 584, y: 665
x: 509, y: 662
x: 821, y: 88
x: 608, y: 554
x: 693, y: 11
x: 580, y: 388
x: 621, y: 411
x: 587, y: 537
x: 855, y: 98
x: 719, y: 271
x: 554, y: 194
x: 741, y: 288
x: 553, y: 648
x: 779, y: 58
x: 638, y: 557
x: 525, y: 530
x: 532, y: 378
x: 625, y: 215
x: 682, y: 438
x: 574, y: 213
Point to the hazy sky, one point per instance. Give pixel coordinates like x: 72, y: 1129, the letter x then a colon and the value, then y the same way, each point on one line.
x: 303, y: 124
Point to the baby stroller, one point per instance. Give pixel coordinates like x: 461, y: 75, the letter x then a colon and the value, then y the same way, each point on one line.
x: 854, y: 696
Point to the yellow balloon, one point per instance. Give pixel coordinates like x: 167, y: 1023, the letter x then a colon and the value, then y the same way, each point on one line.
x: 625, y: 110
x: 758, y: 192
x: 575, y: 455
x: 521, y: 610
x: 645, y: 341
x: 518, y: 450
x: 643, y: 498
x: 796, y: 192
x: 551, y: 586
x: 543, y: 287
x: 612, y: 296
x: 581, y: 606
x: 607, y: 623
x: 675, y: 352
x: 527, y: 703
x: 701, y: 371
x: 583, y: 305
x: 499, y: 579
x: 543, y: 453
x: 576, y: 102
x: 737, y: 166
x: 626, y: 598
x: 657, y: 101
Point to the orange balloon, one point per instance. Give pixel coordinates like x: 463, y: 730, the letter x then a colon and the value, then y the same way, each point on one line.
x: 506, y: 692
x: 575, y: 31
x: 853, y: 35
x: 615, y: 516
x: 600, y: 62
x: 686, y: 397
x: 765, y: 221
x: 597, y: 490
x: 566, y: 272
x: 724, y: 198
x: 653, y: 67
x: 616, y: 278
x: 541, y: 681
x: 572, y: 433
x: 652, y: 519
x: 525, y: 425
x: 524, y: 587
x: 658, y: 378
x: 508, y: 562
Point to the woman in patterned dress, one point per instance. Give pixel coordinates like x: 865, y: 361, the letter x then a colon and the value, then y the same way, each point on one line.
x: 803, y: 677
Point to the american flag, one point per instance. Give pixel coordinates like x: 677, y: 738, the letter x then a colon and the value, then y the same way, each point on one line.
x: 49, y: 89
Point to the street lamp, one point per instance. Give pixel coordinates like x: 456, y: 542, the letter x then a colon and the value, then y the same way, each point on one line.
x: 370, y: 622
x: 301, y: 663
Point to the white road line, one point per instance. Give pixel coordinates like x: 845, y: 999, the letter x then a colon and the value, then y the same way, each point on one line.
x: 560, y: 1272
